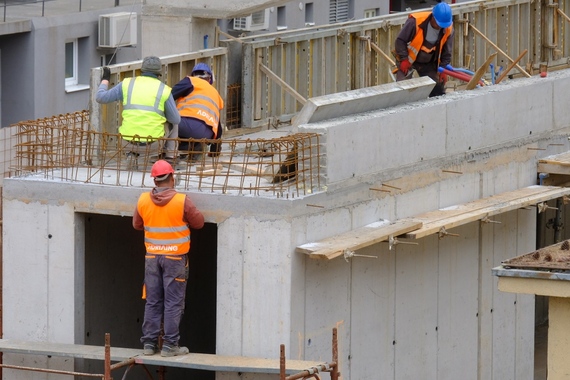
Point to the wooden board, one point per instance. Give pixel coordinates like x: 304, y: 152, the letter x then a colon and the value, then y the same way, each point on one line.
x: 207, y: 362
x: 359, y: 238
x: 558, y: 164
x: 450, y: 217
x: 480, y: 72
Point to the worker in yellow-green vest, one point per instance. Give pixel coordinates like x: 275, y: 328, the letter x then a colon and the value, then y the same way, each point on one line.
x: 149, y: 110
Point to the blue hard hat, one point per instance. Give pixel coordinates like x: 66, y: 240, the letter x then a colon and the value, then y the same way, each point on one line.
x: 202, y: 70
x: 443, y: 15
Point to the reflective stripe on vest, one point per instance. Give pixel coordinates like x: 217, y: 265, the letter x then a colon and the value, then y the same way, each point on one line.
x: 203, y: 103
x: 143, y: 107
x: 418, y: 41
x: 165, y: 232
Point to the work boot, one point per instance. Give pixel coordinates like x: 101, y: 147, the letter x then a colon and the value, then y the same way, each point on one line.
x: 150, y: 349
x: 168, y: 351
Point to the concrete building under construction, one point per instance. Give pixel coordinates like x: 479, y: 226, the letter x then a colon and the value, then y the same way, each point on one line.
x: 353, y: 223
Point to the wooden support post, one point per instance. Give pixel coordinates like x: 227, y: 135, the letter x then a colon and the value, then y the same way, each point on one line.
x: 499, y: 50
x: 563, y: 14
x: 479, y: 73
x: 271, y: 75
x: 504, y: 73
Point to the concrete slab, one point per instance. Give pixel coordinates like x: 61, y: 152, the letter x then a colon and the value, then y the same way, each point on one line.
x: 363, y: 100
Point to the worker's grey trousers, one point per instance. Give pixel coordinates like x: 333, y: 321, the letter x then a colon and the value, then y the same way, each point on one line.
x: 165, y: 282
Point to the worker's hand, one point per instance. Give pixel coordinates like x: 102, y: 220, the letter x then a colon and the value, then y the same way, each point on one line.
x: 405, y: 66
x: 106, y: 74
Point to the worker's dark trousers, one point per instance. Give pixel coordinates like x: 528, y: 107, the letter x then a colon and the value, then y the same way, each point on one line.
x: 165, y: 281
x: 195, y: 129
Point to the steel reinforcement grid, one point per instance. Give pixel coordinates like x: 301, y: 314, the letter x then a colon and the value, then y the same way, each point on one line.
x: 65, y: 148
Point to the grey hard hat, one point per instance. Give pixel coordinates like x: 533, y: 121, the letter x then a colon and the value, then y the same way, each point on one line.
x: 152, y: 65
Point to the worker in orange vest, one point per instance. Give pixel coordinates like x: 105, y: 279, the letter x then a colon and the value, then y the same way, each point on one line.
x: 166, y: 217
x: 426, y: 43
x: 199, y: 104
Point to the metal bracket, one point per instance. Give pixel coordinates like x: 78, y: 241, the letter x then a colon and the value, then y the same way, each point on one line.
x: 443, y: 233
x: 542, y: 207
x: 392, y: 241
x: 348, y: 254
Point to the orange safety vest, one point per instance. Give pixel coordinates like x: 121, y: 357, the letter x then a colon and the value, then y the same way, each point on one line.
x: 203, y: 103
x: 165, y: 232
x: 417, y: 42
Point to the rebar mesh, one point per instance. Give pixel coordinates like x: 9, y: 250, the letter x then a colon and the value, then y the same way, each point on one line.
x: 65, y: 148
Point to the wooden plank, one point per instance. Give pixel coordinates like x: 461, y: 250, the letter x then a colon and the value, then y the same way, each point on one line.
x: 480, y: 72
x: 455, y: 216
x: 359, y: 238
x: 207, y: 362
x: 510, y: 67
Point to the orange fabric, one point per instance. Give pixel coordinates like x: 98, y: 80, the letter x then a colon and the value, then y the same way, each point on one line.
x: 203, y: 103
x: 165, y: 231
x: 417, y: 43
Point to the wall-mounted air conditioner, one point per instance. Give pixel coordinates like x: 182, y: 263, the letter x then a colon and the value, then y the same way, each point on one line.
x: 255, y: 21
x: 117, y: 29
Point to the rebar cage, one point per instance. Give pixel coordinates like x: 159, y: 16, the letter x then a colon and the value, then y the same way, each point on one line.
x: 66, y: 148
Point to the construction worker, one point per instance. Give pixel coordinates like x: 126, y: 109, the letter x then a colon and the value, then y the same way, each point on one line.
x: 426, y: 43
x: 199, y: 104
x: 149, y: 110
x: 166, y: 217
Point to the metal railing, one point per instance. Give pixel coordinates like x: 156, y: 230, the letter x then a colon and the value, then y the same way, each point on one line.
x: 66, y: 148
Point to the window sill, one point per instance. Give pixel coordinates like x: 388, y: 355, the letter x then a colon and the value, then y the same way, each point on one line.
x: 281, y: 27
x: 76, y: 87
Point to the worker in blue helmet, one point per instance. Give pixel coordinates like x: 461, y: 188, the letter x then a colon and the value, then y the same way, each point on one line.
x: 199, y: 104
x: 425, y: 43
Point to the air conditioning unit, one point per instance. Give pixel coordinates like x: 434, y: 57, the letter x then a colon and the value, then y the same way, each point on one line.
x: 117, y: 29
x: 253, y: 22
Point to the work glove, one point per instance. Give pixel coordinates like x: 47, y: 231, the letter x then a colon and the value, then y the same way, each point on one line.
x: 405, y: 66
x: 449, y: 67
x: 106, y: 74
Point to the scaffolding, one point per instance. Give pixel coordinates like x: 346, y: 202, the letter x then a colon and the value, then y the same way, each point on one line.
x: 297, y: 369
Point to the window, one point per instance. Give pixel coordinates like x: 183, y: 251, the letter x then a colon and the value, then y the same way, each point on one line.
x: 71, y: 63
x: 281, y: 18
x: 76, y: 65
x: 309, y: 17
x: 339, y: 11
x: 369, y: 13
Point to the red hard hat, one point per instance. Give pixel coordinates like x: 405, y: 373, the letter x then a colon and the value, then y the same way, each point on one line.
x: 161, y: 168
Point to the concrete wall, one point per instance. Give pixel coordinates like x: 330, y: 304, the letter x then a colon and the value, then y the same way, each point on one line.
x: 430, y: 310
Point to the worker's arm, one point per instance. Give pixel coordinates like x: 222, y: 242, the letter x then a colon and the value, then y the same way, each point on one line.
x: 171, y: 112
x: 406, y: 35
x: 105, y: 96
x: 138, y: 223
x: 446, y: 51
x: 192, y: 216
x: 182, y: 88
